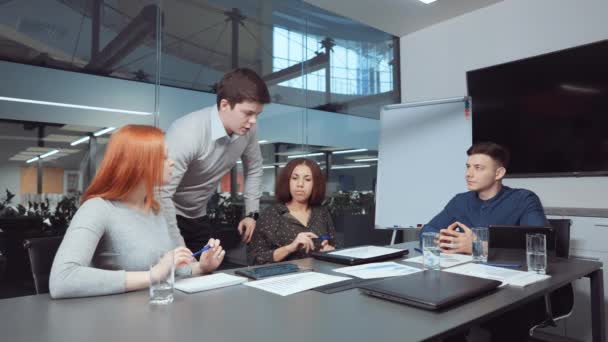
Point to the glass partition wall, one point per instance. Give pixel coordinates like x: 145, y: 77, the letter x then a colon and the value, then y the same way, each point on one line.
x: 76, y: 70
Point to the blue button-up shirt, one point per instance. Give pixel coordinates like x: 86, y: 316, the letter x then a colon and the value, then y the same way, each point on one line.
x: 518, y: 207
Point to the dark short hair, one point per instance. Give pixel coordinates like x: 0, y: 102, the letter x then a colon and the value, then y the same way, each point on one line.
x: 317, y: 195
x: 499, y: 153
x: 242, y: 84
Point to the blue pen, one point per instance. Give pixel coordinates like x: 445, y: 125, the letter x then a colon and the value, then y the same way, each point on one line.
x: 325, y: 237
x: 505, y: 265
x: 202, y: 250
x: 418, y: 250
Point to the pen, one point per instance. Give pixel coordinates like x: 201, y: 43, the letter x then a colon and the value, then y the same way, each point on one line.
x: 418, y: 250
x: 202, y: 250
x: 325, y: 237
x: 505, y: 265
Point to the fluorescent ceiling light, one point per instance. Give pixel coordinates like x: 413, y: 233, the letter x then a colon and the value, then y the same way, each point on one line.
x: 338, y: 167
x: 70, y: 105
x: 428, y: 1
x: 366, y: 160
x: 79, y: 141
x: 268, y: 166
x: 262, y: 142
x: 350, y: 151
x: 49, y: 154
x: 104, y: 131
x: 305, y: 155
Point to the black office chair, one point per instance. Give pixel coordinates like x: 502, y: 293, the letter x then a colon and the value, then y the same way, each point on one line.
x: 41, y: 252
x: 559, y: 303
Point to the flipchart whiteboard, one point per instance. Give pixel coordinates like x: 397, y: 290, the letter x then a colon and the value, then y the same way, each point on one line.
x: 421, y: 159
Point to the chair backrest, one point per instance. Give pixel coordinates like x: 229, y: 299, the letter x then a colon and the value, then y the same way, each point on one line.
x: 514, y: 237
x: 562, y: 236
x: 41, y: 252
x: 558, y: 236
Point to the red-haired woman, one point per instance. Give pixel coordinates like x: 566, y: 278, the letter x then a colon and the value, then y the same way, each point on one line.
x: 118, y: 229
x: 289, y: 229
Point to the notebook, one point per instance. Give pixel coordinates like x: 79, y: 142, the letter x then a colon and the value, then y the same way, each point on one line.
x: 208, y: 282
x: 431, y: 290
x: 360, y: 255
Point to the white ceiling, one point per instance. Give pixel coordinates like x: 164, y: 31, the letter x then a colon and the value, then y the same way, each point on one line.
x: 401, y: 17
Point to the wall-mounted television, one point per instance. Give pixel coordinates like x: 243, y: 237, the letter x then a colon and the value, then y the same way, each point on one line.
x: 551, y: 111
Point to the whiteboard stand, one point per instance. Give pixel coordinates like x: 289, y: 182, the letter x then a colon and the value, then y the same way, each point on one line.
x: 394, y: 235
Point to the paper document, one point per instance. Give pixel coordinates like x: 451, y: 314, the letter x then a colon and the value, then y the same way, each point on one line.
x: 445, y: 260
x: 378, y: 270
x: 294, y: 283
x: 208, y: 282
x: 365, y: 252
x: 507, y: 276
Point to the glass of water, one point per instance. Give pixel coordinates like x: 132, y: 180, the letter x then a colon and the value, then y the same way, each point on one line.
x: 536, y: 253
x: 162, y: 278
x: 480, y: 244
x: 430, y: 251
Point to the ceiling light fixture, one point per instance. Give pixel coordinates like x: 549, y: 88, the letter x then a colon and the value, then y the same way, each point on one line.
x: 350, y: 151
x: 428, y: 1
x: 366, y: 160
x: 79, y: 141
x: 338, y: 167
x: 104, y: 131
x: 50, y: 153
x: 71, y: 105
x: 306, y: 155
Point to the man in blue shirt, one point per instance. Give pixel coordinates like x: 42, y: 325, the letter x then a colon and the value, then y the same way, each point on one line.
x: 488, y: 202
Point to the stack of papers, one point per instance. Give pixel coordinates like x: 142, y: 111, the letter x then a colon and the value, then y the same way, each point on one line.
x: 208, y: 282
x: 445, y: 260
x: 294, y: 283
x: 378, y: 270
x: 506, y: 276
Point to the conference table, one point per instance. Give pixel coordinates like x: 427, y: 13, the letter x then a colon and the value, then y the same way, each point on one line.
x: 242, y: 313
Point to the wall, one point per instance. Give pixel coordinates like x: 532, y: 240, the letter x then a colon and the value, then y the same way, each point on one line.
x: 435, y: 61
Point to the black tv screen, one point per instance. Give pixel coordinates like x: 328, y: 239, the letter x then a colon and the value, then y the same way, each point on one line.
x: 551, y: 111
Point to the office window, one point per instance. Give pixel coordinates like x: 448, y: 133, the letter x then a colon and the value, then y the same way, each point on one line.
x: 357, y: 68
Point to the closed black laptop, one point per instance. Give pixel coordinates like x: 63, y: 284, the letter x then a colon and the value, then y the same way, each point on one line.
x: 389, y: 253
x: 431, y: 290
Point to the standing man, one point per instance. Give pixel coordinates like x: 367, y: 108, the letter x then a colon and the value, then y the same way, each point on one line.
x: 205, y: 145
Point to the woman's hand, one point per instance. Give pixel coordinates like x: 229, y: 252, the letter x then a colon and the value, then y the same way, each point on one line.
x: 303, y: 240
x: 212, y: 258
x: 326, y: 247
x: 181, y: 256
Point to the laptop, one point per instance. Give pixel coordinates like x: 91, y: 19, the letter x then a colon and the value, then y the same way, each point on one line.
x: 430, y: 290
x: 360, y: 255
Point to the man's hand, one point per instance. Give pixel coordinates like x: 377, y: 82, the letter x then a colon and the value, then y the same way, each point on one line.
x: 246, y: 228
x: 452, y: 241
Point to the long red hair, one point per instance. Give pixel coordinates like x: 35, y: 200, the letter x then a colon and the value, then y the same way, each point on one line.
x: 134, y: 154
